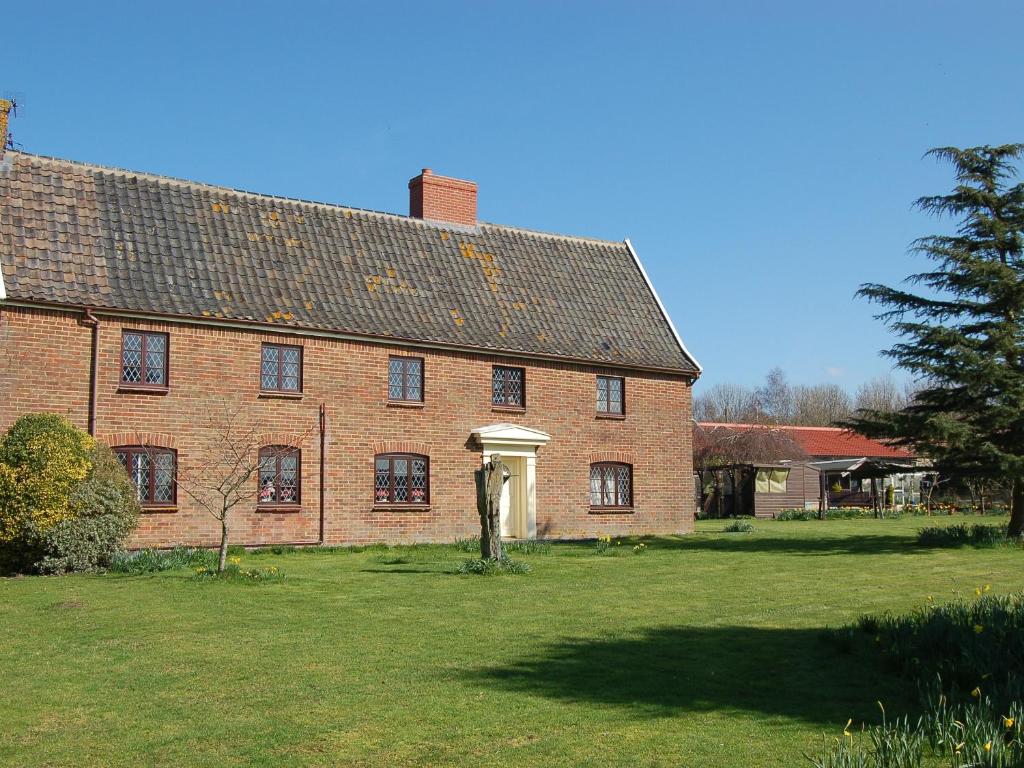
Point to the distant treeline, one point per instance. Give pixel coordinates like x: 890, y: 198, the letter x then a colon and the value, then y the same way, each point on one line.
x: 779, y: 402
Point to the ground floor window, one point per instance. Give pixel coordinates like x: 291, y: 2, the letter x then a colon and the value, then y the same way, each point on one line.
x: 152, y: 471
x: 401, y: 479
x: 280, y: 479
x: 611, y: 485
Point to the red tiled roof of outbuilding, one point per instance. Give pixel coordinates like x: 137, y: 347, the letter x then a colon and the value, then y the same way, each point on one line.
x: 833, y: 442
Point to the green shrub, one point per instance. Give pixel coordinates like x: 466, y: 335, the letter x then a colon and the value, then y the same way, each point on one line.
x: 104, y: 510
x: 42, y: 458
x: 739, y: 526
x: 959, y: 535
x: 493, y: 567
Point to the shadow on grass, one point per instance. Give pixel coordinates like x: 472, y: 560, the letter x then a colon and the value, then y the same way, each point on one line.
x: 783, y: 672
x: 757, y: 542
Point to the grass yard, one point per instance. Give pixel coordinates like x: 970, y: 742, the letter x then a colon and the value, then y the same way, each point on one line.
x: 703, y: 651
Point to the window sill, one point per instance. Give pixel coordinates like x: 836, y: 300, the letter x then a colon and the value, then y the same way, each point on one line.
x: 142, y: 389
x: 405, y: 404
x: 509, y: 408
x: 612, y: 416
x: 156, y: 509
x: 277, y: 509
x: 611, y: 510
x: 264, y: 393
x: 401, y: 507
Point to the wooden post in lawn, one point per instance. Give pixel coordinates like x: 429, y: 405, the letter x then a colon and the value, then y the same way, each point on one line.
x: 490, y: 480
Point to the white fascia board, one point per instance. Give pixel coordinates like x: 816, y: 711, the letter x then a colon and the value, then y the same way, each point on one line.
x: 3, y: 290
x: 661, y: 306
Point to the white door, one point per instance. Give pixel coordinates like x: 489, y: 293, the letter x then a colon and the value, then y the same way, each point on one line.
x: 513, y: 515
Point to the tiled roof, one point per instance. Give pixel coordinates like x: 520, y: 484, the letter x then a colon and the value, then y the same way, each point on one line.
x: 81, y: 235
x: 832, y: 442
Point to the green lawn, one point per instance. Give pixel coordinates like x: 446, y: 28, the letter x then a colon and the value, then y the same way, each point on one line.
x: 704, y: 651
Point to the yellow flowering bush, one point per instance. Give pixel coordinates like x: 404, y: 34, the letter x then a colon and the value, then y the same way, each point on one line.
x: 65, y: 502
x: 42, y: 458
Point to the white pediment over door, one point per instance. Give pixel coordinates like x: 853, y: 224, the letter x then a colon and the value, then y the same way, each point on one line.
x: 510, y: 434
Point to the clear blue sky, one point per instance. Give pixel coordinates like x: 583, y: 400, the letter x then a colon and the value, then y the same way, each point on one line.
x: 762, y: 157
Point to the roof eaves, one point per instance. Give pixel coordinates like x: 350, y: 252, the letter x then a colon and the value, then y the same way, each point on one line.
x: 319, y: 332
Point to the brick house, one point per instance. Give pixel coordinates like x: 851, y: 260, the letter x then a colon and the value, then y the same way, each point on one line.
x: 387, y: 354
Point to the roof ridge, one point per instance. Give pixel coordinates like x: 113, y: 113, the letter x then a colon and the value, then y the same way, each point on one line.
x: 772, y: 426
x: 437, y: 224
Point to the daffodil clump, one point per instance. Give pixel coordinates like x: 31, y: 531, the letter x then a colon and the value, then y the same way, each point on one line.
x: 604, y: 545
x: 234, y: 572
x: 964, y: 656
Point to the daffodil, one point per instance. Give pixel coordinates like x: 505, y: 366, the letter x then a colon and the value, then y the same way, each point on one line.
x: 978, y: 629
x: 976, y: 693
x: 1008, y: 722
x: 988, y: 746
x: 846, y: 728
x: 931, y: 599
x: 977, y: 591
x: 988, y: 587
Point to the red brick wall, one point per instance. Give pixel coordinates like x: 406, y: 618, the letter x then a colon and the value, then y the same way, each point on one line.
x: 46, y: 355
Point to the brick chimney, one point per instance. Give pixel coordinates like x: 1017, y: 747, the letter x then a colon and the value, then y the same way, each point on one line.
x: 5, y: 111
x: 440, y: 198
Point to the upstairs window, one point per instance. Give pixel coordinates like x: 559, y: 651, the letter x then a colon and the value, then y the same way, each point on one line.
x: 611, y: 395
x: 405, y: 379
x: 279, y: 475
x: 508, y: 386
x: 152, y: 472
x: 144, y: 359
x: 401, y: 479
x: 281, y: 368
x: 611, y: 485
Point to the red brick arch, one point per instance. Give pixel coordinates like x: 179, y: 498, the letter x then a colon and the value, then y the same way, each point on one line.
x: 151, y: 439
x: 290, y: 439
x: 401, y: 446
x: 618, y: 457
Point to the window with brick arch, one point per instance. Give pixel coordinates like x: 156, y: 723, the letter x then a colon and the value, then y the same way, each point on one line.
x: 401, y: 478
x: 280, y: 477
x: 153, y: 472
x: 508, y: 386
x: 144, y: 359
x: 611, y: 395
x: 281, y: 368
x: 611, y: 485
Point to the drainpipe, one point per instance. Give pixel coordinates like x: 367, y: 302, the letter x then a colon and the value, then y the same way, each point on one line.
x: 90, y: 320
x: 323, y: 466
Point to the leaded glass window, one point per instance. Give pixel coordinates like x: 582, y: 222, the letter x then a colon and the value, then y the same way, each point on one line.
x: 405, y: 379
x: 611, y: 395
x: 401, y: 479
x: 508, y: 386
x: 152, y: 472
x: 144, y: 359
x: 611, y: 485
x: 281, y: 368
x: 279, y: 476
